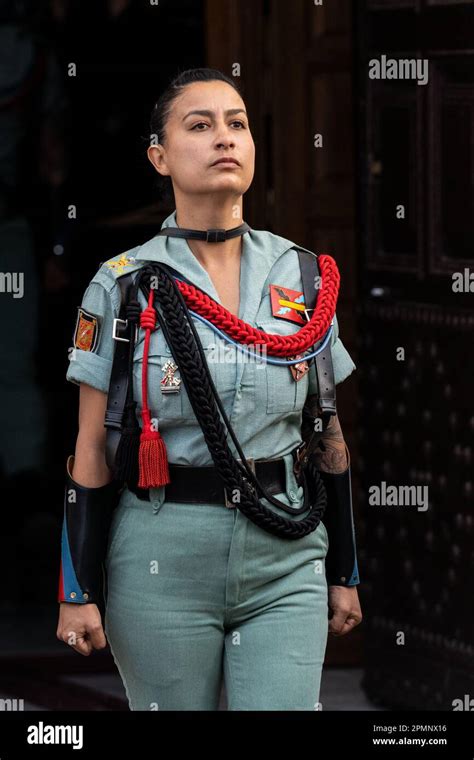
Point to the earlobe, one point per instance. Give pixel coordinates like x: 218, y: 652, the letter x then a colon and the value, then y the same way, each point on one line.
x: 155, y: 156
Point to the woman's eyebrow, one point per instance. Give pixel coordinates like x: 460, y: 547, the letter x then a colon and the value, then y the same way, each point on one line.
x: 229, y: 112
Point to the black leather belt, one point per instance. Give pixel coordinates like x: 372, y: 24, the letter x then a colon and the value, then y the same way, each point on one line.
x: 203, y: 485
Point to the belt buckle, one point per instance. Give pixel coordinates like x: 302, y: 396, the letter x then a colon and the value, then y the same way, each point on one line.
x: 231, y: 504
x: 114, y: 330
x: 216, y: 235
x: 300, y: 458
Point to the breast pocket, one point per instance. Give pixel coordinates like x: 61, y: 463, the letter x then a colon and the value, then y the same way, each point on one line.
x: 167, y: 406
x: 283, y: 393
x: 167, y: 395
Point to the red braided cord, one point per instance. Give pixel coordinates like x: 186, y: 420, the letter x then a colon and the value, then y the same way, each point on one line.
x: 277, y: 345
x: 148, y: 323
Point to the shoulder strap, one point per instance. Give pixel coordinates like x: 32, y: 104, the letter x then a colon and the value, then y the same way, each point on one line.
x: 323, y: 361
x: 118, y: 385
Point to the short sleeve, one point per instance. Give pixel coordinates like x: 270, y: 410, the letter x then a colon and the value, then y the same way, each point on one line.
x: 92, y: 352
x: 341, y: 359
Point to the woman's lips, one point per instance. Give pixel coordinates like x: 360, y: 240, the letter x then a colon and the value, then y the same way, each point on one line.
x: 226, y: 162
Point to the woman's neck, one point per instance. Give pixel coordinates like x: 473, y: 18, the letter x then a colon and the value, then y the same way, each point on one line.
x: 200, y: 217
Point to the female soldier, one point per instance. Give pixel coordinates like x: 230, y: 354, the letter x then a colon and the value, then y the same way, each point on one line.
x: 195, y: 588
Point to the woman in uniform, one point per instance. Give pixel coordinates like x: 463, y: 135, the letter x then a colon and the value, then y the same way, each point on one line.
x: 204, y: 581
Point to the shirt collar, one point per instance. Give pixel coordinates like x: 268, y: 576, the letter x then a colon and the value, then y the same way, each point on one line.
x: 260, y: 250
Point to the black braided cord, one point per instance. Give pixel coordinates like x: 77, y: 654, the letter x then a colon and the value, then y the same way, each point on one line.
x: 186, y: 348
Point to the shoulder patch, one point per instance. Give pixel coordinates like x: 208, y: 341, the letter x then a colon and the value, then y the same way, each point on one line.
x: 86, y: 334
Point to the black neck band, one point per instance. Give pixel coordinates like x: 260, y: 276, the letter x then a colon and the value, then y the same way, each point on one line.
x: 210, y: 236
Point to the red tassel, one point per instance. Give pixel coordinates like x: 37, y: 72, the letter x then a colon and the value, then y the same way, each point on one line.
x: 152, y: 457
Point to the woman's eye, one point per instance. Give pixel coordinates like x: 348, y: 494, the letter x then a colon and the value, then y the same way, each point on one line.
x: 203, y: 124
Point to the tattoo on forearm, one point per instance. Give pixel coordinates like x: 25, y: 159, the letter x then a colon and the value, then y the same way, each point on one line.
x: 331, y: 454
x: 333, y: 459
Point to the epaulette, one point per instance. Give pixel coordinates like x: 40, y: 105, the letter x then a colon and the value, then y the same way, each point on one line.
x: 122, y: 264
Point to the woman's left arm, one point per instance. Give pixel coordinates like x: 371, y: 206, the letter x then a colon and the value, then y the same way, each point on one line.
x: 331, y: 456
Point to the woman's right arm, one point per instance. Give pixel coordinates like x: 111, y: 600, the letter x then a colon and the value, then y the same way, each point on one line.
x: 90, y: 366
x: 90, y: 468
x: 80, y: 625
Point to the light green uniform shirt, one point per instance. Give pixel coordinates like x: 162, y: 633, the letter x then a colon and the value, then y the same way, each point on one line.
x: 263, y: 402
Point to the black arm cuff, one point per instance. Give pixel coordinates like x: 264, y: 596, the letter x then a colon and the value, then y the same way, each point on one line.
x: 341, y: 559
x: 86, y: 523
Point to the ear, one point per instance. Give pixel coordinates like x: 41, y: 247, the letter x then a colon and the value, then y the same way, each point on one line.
x: 156, y: 156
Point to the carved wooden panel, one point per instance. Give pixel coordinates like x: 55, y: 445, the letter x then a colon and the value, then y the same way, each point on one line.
x: 417, y: 415
x: 418, y: 433
x: 394, y: 176
x: 451, y: 164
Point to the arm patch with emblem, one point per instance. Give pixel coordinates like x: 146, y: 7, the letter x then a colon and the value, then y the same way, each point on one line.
x: 86, y: 334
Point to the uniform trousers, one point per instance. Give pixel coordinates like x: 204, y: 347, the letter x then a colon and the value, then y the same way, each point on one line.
x: 198, y: 596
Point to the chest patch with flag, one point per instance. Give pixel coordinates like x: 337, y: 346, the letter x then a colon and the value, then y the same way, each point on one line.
x: 86, y: 334
x: 288, y: 304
